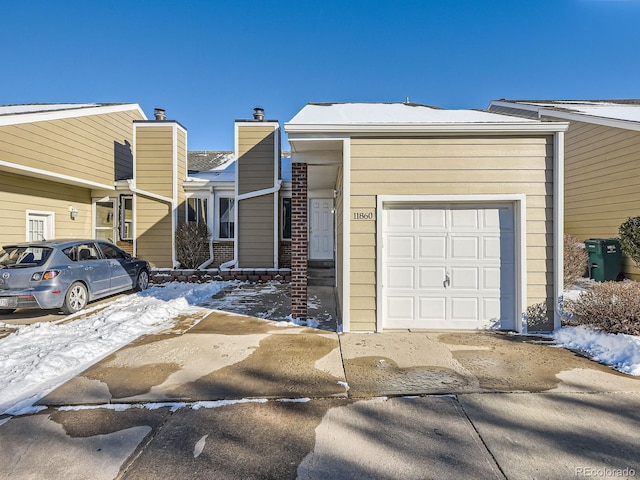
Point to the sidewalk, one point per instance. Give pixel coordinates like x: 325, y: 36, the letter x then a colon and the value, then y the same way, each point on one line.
x: 239, y: 397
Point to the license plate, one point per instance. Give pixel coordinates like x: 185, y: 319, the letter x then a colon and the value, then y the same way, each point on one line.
x: 7, y: 302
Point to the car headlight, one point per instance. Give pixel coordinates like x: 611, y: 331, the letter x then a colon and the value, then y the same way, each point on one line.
x: 48, y: 275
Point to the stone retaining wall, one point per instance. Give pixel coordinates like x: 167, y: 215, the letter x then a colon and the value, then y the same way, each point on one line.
x: 159, y: 276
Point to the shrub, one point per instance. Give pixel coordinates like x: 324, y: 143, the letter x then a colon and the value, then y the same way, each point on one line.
x: 537, y: 318
x: 629, y: 234
x: 576, y: 260
x: 613, y: 307
x: 192, y: 244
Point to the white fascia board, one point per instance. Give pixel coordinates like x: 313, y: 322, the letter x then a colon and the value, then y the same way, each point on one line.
x: 435, y: 128
x: 520, y: 106
x: 21, y: 118
x: 57, y: 177
x: 586, y: 118
x: 571, y: 116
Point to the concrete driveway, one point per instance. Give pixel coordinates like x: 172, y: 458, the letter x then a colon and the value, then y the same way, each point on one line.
x: 239, y: 397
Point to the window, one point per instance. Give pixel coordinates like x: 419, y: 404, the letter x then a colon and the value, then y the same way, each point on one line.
x: 227, y: 214
x: 39, y: 226
x: 104, y: 220
x: 197, y: 210
x: 126, y: 217
x: 285, y: 218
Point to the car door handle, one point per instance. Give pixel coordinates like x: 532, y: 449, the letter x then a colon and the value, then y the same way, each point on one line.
x: 88, y: 268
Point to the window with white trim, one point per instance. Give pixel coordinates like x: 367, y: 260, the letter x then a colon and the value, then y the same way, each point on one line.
x: 197, y: 210
x: 39, y: 226
x: 226, y: 219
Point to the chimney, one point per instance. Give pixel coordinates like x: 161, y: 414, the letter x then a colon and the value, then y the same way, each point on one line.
x: 258, y: 114
x: 159, y: 114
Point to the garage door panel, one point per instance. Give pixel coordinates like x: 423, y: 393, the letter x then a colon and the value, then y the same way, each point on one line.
x: 465, y: 248
x: 464, y: 219
x: 432, y: 247
x: 432, y: 278
x: 464, y: 308
x: 401, y: 307
x: 432, y: 308
x: 491, y: 278
x: 432, y: 219
x: 400, y: 247
x: 491, y: 309
x: 464, y: 278
x: 401, y: 277
x: 398, y: 219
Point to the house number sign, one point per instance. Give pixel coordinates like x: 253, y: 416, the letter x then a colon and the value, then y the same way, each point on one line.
x: 363, y: 215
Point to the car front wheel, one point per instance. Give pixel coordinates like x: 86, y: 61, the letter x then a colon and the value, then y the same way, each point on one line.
x: 75, y: 299
x: 142, y: 282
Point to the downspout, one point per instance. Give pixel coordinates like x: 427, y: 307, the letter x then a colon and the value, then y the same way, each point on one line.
x: 558, y: 226
x: 244, y: 196
x: 155, y: 196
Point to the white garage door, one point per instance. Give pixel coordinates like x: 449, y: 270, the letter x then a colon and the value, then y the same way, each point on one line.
x: 448, y: 266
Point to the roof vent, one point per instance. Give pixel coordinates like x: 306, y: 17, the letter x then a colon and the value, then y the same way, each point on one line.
x: 258, y: 114
x: 159, y: 114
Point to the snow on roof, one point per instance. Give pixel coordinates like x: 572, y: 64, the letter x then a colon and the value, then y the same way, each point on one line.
x: 44, y: 107
x: 393, y: 113
x: 627, y: 110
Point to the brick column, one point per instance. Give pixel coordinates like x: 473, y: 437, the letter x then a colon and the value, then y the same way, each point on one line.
x: 299, y: 241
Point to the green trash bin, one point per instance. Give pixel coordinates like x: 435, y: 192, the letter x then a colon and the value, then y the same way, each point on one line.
x: 605, y: 258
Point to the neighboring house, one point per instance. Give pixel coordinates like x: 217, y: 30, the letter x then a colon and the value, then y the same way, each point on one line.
x: 443, y: 218
x: 92, y: 170
x: 244, y: 197
x: 602, y: 151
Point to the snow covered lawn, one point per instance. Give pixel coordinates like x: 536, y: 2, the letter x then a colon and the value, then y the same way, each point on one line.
x: 36, y: 359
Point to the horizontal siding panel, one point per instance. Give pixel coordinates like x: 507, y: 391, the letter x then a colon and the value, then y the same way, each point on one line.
x: 437, y: 176
x: 451, y: 188
x: 470, y: 152
x: 363, y: 278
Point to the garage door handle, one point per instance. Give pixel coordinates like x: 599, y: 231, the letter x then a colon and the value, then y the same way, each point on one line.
x: 447, y: 279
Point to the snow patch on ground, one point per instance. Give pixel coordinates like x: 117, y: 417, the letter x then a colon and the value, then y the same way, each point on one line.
x: 619, y: 351
x: 35, y: 359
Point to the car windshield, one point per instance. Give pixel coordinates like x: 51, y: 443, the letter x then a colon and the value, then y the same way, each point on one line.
x: 17, y: 257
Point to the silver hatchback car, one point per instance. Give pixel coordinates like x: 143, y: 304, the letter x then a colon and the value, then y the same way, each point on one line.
x: 66, y: 274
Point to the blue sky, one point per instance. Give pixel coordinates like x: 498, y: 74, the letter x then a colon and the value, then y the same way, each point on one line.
x: 210, y: 62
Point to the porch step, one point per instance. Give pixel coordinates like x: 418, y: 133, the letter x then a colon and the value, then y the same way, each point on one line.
x: 321, y: 264
x: 321, y: 276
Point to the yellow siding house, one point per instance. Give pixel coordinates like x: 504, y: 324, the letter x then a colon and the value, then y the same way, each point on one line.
x: 436, y: 219
x: 69, y: 171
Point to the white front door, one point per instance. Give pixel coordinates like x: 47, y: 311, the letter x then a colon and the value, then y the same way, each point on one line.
x: 448, y: 266
x: 321, y: 229
x: 39, y: 226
